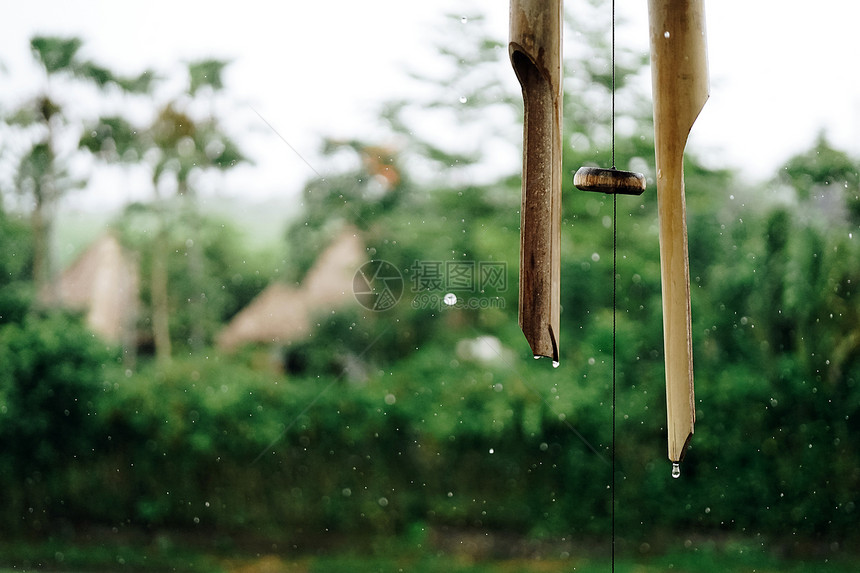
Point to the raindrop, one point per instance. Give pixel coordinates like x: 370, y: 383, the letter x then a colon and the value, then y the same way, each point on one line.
x: 450, y: 299
x: 555, y: 363
x: 464, y: 20
x: 537, y: 357
x: 676, y: 470
x: 595, y: 257
x: 463, y: 99
x: 666, y: 34
x: 492, y: 451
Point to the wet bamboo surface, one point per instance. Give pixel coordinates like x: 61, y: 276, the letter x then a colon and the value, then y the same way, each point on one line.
x: 535, y: 52
x: 679, y: 74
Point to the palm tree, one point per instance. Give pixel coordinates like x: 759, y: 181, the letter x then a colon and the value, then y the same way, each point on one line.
x: 43, y: 124
x: 176, y: 146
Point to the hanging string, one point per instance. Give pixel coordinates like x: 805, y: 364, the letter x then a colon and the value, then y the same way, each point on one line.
x: 613, y: 84
x: 614, y: 281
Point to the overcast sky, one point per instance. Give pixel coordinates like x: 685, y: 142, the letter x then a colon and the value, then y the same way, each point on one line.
x: 781, y: 70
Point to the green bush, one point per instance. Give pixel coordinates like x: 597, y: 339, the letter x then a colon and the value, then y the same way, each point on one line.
x: 52, y: 371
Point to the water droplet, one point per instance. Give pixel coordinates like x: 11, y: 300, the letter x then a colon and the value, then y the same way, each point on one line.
x: 537, y: 357
x: 450, y: 299
x: 666, y: 34
x: 492, y: 451
x: 676, y: 470
x: 463, y: 99
x: 595, y: 257
x: 555, y: 363
x: 464, y: 20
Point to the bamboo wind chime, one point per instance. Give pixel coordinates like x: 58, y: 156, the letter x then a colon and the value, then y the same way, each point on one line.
x: 679, y: 73
x: 535, y: 52
x: 680, y: 89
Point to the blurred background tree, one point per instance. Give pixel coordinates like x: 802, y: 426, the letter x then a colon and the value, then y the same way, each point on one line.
x: 44, y: 123
x: 184, y: 140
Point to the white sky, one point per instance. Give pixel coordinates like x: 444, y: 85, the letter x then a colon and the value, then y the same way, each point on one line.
x: 781, y: 70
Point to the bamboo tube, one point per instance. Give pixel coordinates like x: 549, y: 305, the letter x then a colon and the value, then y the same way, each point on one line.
x: 535, y: 52
x: 680, y: 88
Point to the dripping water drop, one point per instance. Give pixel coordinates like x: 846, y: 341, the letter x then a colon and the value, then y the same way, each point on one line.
x: 537, y: 357
x: 676, y: 470
x: 555, y: 363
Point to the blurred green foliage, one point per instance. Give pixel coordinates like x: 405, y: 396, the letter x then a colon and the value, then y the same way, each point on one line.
x: 15, y: 268
x: 429, y: 417
x: 226, y: 277
x: 51, y: 373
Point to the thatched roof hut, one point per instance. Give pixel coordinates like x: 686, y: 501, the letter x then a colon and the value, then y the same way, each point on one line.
x: 103, y: 282
x: 282, y: 314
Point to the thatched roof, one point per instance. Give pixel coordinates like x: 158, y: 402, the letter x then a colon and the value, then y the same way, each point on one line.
x: 282, y: 314
x: 104, y: 283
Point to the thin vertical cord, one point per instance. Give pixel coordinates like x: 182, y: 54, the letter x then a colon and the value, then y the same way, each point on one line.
x: 614, y: 281
x: 614, y: 273
x: 613, y: 84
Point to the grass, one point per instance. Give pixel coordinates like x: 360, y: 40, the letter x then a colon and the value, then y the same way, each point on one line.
x: 162, y: 553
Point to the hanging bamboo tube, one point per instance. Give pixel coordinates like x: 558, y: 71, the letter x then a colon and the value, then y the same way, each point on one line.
x: 535, y: 52
x: 680, y: 88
